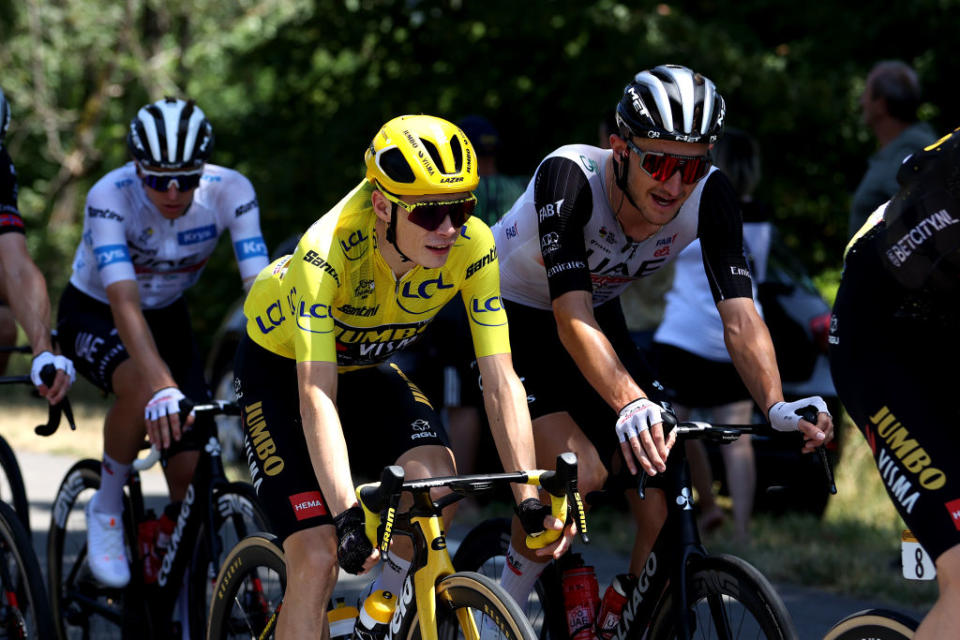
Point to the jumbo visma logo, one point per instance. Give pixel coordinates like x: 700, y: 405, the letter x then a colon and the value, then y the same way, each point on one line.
x: 423, y: 290
x: 488, y: 312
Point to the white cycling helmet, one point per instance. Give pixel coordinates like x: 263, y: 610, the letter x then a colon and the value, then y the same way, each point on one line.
x: 170, y: 134
x: 671, y: 102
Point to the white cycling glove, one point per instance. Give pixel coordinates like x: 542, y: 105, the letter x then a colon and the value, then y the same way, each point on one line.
x: 165, y: 402
x: 60, y: 363
x: 637, y: 417
x: 783, y: 415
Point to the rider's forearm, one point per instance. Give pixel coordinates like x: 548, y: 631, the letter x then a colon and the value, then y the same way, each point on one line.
x: 505, y: 401
x: 324, y: 435
x: 595, y: 357
x: 27, y: 296
x: 751, y: 350
x: 138, y: 340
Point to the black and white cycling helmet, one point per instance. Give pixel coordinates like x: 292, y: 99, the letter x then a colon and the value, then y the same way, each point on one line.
x: 170, y: 134
x: 4, y: 116
x: 671, y: 102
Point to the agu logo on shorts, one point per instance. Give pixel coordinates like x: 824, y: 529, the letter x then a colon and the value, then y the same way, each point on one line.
x: 308, y: 504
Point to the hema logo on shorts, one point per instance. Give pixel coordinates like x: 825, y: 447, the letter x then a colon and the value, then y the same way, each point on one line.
x: 308, y: 504
x: 200, y: 234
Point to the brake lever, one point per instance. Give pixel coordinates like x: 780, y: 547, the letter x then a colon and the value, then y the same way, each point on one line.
x: 48, y: 374
x: 809, y: 413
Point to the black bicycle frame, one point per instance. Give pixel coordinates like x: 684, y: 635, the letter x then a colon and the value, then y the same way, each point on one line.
x: 677, y: 544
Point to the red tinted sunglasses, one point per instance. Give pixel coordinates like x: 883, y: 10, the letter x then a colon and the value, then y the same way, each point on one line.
x: 661, y: 166
x: 430, y: 214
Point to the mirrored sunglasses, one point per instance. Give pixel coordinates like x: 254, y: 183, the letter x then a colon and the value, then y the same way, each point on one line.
x: 661, y: 166
x: 431, y: 213
x: 162, y: 181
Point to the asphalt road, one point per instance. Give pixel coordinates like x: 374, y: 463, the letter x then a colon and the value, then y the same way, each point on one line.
x: 813, y: 611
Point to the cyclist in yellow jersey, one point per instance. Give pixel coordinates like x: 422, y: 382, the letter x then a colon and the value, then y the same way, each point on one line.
x: 364, y: 282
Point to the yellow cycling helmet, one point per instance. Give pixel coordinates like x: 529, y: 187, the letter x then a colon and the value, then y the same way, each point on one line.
x: 421, y: 155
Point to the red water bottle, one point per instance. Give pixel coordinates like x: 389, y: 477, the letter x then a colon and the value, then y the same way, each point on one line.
x: 611, y: 607
x: 146, y: 540
x: 580, y: 598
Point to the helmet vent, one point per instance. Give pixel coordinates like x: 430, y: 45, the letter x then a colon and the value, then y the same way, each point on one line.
x: 457, y: 151
x: 434, y: 154
x: 395, y: 166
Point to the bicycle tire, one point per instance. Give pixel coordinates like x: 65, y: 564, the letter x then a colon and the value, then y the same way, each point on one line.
x: 69, y: 577
x: 474, y: 593
x: 240, y: 606
x: 875, y: 624
x: 484, y: 549
x: 236, y: 514
x: 728, y: 587
x: 27, y: 613
x: 17, y: 489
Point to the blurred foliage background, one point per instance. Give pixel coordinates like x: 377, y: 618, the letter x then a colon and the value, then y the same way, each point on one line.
x: 295, y: 89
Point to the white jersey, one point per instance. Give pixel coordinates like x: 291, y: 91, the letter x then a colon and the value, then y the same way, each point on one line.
x: 126, y: 238
x: 575, y: 230
x: 690, y: 319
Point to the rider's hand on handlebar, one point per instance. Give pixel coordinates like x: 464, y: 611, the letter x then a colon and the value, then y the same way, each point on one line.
x: 354, y: 552
x: 640, y: 430
x: 66, y: 376
x: 536, y: 517
x: 162, y: 415
x: 785, y: 416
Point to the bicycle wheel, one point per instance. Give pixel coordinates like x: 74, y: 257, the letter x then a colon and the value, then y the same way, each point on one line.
x: 467, y: 596
x: 484, y: 550
x: 249, y: 590
x: 24, y: 611
x: 236, y: 514
x: 81, y: 607
x: 873, y: 624
x: 12, y: 489
x: 728, y: 598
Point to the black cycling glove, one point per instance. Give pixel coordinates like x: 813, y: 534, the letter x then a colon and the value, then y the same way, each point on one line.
x: 353, y: 548
x: 531, y: 513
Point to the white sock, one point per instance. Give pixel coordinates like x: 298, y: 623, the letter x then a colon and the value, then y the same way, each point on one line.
x: 391, y: 577
x: 113, y: 476
x: 519, y: 575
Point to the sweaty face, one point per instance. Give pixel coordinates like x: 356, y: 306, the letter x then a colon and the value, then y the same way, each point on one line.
x: 660, y: 201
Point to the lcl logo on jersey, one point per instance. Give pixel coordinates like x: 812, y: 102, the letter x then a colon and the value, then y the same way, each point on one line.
x: 488, y: 312
x: 354, y: 240
x: 425, y: 290
x: 274, y: 316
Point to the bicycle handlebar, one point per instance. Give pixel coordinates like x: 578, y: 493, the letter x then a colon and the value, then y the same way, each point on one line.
x: 47, y: 374
x: 729, y: 433
x: 213, y: 408
x: 379, y: 500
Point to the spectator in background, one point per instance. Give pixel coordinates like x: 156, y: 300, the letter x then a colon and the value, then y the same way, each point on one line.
x: 889, y: 108
x: 694, y: 365
x: 497, y: 192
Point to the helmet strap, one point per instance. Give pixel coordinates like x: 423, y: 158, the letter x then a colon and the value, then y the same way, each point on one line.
x: 620, y: 171
x: 392, y: 232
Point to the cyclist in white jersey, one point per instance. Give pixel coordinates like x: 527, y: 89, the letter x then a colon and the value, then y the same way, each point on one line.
x: 149, y: 229
x: 591, y: 221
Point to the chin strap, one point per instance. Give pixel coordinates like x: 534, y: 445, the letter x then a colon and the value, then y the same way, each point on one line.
x: 620, y: 171
x: 392, y: 232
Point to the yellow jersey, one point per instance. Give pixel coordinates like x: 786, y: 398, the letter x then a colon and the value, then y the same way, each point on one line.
x: 335, y: 299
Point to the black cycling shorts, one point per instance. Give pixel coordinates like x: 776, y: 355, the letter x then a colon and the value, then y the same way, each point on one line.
x: 553, y: 381
x: 382, y: 412
x: 696, y: 382
x: 88, y: 336
x: 894, y: 371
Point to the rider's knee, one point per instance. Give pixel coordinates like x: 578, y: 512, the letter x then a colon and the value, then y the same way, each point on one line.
x: 311, y: 558
x: 948, y: 573
x: 591, y: 477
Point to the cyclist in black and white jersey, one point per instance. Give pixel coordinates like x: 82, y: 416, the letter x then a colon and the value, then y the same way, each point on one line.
x: 591, y: 221
x: 22, y: 286
x: 149, y: 228
x: 893, y: 355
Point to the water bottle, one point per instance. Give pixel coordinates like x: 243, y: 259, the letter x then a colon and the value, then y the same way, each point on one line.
x: 611, y: 607
x: 341, y: 619
x: 146, y: 542
x: 374, y: 618
x: 581, y: 598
